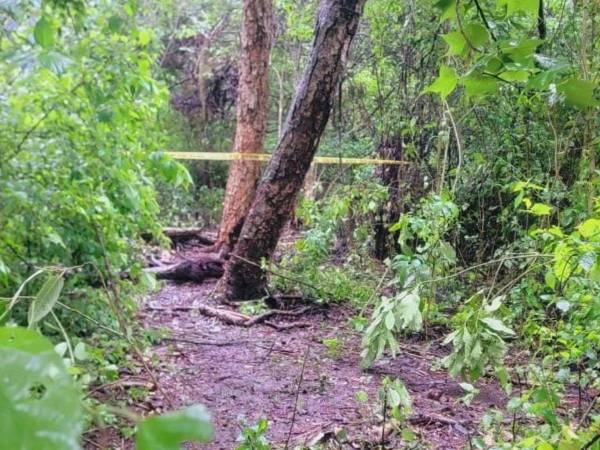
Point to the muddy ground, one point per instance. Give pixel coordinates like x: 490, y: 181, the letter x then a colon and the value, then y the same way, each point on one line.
x: 243, y: 374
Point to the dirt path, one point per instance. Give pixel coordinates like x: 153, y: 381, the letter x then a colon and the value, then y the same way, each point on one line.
x: 254, y: 372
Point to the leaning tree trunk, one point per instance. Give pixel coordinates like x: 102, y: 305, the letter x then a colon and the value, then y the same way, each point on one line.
x: 252, y: 109
x: 337, y: 23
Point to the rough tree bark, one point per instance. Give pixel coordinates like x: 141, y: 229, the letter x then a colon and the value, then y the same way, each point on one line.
x: 404, y: 183
x: 252, y: 109
x: 337, y: 23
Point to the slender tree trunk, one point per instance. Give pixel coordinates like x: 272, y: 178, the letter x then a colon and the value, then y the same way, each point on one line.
x: 252, y: 109
x: 589, y: 12
x: 337, y: 23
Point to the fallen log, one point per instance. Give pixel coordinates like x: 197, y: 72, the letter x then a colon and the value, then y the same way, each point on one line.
x: 197, y: 270
x: 185, y: 234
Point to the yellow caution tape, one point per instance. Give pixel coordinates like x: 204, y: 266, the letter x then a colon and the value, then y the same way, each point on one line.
x: 216, y: 156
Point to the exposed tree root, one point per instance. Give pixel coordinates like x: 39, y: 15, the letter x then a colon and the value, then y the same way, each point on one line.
x: 197, y: 270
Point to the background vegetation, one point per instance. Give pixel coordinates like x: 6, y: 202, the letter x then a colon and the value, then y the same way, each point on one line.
x: 494, y: 243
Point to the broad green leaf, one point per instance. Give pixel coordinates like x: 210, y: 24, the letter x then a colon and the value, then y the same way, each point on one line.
x: 80, y: 352
x: 148, y: 280
x: 578, y: 93
x: 44, y: 32
x: 445, y: 83
x: 467, y: 387
x: 45, y: 299
x: 497, y: 325
x: 594, y: 272
x: 550, y: 279
x: 448, y: 8
x: 456, y: 42
x: 540, y: 209
x: 587, y: 261
x: 169, y: 431
x: 541, y: 80
x: 515, y: 75
x: 590, y: 228
x: 526, y: 6
x: 479, y: 85
x: 494, y: 65
x: 477, y: 34
x: 563, y: 261
x: 520, y: 51
x: 40, y: 406
x: 393, y: 398
x: 408, y: 314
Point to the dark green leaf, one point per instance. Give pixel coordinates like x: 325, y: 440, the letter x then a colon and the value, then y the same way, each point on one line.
x: 578, y: 93
x: 44, y: 32
x: 45, y: 299
x: 168, y: 431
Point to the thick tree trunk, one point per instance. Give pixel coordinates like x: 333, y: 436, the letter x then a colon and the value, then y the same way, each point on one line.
x: 404, y: 183
x: 337, y: 23
x: 252, y: 109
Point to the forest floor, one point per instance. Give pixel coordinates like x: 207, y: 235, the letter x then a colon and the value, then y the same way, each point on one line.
x: 307, y: 391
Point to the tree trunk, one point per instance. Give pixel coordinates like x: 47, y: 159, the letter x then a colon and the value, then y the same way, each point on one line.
x: 337, y: 23
x: 252, y: 109
x: 405, y: 188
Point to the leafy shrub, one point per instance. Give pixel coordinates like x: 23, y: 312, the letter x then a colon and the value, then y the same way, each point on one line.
x: 478, y: 338
x: 41, y: 404
x: 79, y: 156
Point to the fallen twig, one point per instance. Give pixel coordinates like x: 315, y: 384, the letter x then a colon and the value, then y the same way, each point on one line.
x: 287, y: 442
x: 124, y: 382
x: 433, y: 417
x: 242, y: 320
x: 276, y: 312
x: 288, y: 326
x: 204, y: 342
x: 587, y: 412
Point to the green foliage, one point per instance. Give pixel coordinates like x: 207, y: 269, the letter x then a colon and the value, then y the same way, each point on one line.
x: 424, y: 251
x: 424, y: 255
x: 168, y: 431
x: 478, y: 338
x: 335, y: 227
x: 45, y: 299
x: 392, y: 316
x: 42, y: 405
x: 445, y: 82
x: 40, y: 401
x: 492, y: 40
x: 396, y: 397
x: 253, y: 437
x: 79, y: 154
